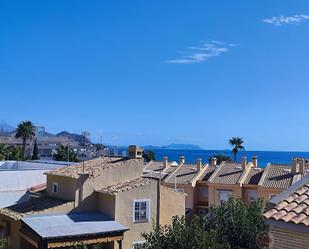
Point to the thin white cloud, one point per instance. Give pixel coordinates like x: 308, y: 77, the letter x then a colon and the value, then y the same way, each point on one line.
x: 197, y: 54
x: 282, y: 20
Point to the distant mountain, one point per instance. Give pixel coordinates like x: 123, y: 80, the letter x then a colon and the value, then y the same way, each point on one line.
x: 175, y: 147
x: 73, y: 136
x: 5, y: 127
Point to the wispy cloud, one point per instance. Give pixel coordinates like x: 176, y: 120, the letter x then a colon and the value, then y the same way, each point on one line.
x: 282, y: 20
x: 200, y: 53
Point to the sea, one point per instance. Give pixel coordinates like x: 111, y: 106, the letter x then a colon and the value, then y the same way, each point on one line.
x: 264, y: 157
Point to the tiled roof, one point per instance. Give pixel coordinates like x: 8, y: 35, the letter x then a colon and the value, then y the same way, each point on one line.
x: 277, y: 176
x: 254, y: 176
x: 293, y: 209
x: 128, y: 185
x: 32, y: 206
x: 91, y: 167
x: 185, y: 174
x: 207, y: 173
x: 154, y: 166
x: 227, y: 173
x: 37, y: 188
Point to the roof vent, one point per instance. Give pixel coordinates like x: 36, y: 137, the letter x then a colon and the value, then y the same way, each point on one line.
x: 174, y: 164
x: 287, y: 170
x: 257, y: 169
x: 238, y: 167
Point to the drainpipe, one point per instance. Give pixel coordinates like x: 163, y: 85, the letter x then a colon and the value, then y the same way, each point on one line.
x: 158, y: 202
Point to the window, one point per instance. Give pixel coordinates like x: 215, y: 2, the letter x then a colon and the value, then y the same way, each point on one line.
x: 55, y: 187
x: 203, y: 192
x: 137, y: 244
x: 141, y: 211
x: 224, y: 195
x: 252, y: 196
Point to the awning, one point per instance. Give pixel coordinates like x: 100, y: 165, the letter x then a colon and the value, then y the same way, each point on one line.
x: 58, y: 230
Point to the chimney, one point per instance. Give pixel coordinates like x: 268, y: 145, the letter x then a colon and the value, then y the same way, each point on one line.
x: 165, y: 161
x: 214, y: 161
x: 199, y: 164
x: 243, y: 163
x: 255, y: 161
x: 295, y: 166
x: 181, y: 160
x: 302, y: 168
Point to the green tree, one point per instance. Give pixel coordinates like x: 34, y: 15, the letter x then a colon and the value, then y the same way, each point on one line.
x: 10, y: 152
x: 14, y: 153
x: 237, y: 143
x: 149, y: 155
x: 237, y: 224
x: 3, y: 244
x: 25, y: 130
x: 62, y: 153
x: 182, y: 235
x: 35, y: 153
x: 220, y: 158
x: 4, y: 150
x: 231, y: 225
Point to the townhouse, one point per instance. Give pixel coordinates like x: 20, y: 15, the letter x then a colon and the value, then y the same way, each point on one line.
x: 107, y: 200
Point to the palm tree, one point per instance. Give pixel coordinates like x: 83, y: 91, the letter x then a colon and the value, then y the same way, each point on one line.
x: 25, y: 130
x: 237, y: 143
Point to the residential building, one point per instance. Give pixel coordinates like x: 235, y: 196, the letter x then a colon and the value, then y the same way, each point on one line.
x: 18, y: 177
x: 110, y: 193
x: 288, y: 217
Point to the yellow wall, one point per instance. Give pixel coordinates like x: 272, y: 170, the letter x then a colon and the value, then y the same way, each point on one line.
x: 124, y: 212
x: 66, y: 187
x: 171, y: 204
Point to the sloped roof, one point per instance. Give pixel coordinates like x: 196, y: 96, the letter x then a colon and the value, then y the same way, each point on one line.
x: 294, y: 208
x: 184, y: 174
x: 254, y: 176
x: 227, y: 173
x: 128, y: 185
x: 92, y: 166
x: 277, y: 176
x: 32, y: 206
x: 207, y: 173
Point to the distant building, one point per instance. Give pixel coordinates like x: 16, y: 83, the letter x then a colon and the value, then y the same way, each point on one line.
x: 209, y: 185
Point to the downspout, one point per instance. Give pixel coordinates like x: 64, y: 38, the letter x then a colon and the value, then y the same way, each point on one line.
x: 158, y: 202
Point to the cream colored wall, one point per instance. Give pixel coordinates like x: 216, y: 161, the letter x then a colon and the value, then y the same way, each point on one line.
x: 107, y: 204
x: 66, y: 187
x: 171, y: 204
x: 214, y: 188
x: 14, y: 238
x: 264, y: 193
x: 286, y: 239
x: 124, y: 212
x: 188, y: 190
x: 104, y: 178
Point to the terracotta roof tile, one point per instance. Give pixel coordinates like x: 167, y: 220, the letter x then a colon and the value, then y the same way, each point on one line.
x: 125, y: 186
x: 184, y: 174
x: 228, y: 173
x: 294, y: 208
x: 92, y: 167
x: 277, y: 176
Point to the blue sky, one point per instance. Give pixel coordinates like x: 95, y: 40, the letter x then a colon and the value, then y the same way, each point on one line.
x: 157, y: 72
